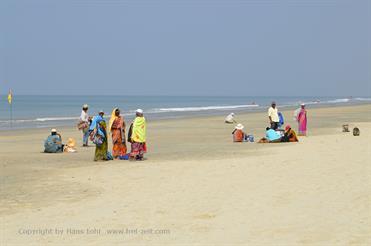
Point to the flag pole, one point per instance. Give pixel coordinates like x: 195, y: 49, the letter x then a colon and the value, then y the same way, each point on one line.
x: 10, y: 101
x: 11, y: 115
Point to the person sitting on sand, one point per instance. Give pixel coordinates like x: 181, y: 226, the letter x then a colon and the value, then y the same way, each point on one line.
x: 137, y: 136
x: 290, y: 135
x: 53, y: 144
x: 238, y: 134
x: 230, y: 119
x: 272, y: 135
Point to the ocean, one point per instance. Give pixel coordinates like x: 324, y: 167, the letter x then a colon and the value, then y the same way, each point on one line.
x: 53, y: 111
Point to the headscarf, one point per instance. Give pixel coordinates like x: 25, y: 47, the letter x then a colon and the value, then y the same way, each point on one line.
x: 113, y: 118
x: 139, y: 130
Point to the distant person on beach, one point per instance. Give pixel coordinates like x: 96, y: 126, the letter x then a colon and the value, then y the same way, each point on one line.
x: 98, y: 134
x: 84, y: 124
x: 230, y: 119
x: 273, y: 116
x: 290, y: 135
x: 238, y: 134
x: 302, y: 120
x: 137, y: 136
x: 117, y: 128
x: 53, y: 144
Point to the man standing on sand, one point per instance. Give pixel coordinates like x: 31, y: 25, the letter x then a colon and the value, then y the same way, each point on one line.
x: 273, y: 116
x: 84, y: 125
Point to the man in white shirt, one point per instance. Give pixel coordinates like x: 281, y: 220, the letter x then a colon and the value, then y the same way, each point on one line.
x: 230, y: 119
x: 273, y: 116
x: 84, y: 125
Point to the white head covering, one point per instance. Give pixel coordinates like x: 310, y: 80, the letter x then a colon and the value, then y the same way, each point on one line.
x: 302, y: 104
x: 85, y: 106
x: 239, y: 127
x: 139, y: 111
x: 54, y: 130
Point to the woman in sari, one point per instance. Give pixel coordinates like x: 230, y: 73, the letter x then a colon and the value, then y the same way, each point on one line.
x: 302, y: 120
x: 137, y: 137
x: 117, y: 128
x: 98, y: 131
x: 290, y: 135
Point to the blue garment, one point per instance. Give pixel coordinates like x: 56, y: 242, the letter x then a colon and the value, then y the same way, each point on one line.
x: 85, y: 136
x: 53, y: 144
x: 282, y: 121
x: 95, y: 124
x: 272, y: 135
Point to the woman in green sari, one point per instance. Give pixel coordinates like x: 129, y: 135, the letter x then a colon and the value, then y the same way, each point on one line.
x: 99, y: 135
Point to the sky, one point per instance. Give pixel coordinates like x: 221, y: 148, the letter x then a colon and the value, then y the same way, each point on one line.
x: 204, y: 47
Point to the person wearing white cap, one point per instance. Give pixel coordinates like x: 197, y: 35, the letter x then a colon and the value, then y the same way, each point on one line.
x: 137, y: 136
x: 53, y: 144
x: 302, y: 120
x: 230, y: 119
x: 238, y: 134
x: 84, y: 124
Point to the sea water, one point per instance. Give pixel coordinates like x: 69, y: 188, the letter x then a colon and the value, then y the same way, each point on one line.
x: 52, y: 111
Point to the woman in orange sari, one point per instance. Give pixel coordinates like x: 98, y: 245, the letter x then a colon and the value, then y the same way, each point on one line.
x: 117, y: 128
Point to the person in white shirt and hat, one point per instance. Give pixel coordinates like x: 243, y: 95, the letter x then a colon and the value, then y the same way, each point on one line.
x: 84, y: 125
x: 230, y: 119
x: 53, y: 144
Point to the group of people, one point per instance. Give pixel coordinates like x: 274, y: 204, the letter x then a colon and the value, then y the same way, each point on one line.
x: 274, y: 133
x: 96, y: 129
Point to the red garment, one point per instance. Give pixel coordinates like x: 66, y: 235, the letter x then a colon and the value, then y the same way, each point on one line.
x: 238, y: 136
x: 118, y: 138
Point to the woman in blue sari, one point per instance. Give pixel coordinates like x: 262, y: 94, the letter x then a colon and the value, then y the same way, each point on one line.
x: 98, y: 129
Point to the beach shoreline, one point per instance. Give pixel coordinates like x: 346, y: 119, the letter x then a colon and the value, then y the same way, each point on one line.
x: 197, y: 184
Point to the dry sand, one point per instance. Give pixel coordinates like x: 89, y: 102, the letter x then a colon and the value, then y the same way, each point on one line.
x: 196, y: 188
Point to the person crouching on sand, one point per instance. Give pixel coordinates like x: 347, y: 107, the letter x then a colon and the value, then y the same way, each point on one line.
x: 53, y: 144
x: 272, y: 135
x: 117, y: 127
x: 230, y: 119
x: 290, y: 135
x: 137, y: 136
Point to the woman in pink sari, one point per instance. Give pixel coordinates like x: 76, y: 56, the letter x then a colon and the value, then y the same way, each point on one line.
x: 302, y: 120
x: 117, y: 128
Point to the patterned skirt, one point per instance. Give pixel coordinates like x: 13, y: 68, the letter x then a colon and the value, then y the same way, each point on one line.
x: 138, y: 149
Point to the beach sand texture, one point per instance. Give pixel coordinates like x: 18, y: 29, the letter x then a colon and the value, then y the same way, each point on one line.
x: 196, y: 188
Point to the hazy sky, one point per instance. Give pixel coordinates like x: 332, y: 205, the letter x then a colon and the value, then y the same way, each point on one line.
x: 196, y: 47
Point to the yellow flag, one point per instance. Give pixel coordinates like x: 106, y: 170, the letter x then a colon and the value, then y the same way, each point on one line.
x: 10, y: 97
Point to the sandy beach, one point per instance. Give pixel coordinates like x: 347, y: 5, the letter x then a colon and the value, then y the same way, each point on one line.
x: 196, y: 187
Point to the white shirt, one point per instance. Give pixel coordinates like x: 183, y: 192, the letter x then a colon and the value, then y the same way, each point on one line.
x: 229, y: 118
x: 273, y: 113
x: 84, y: 116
